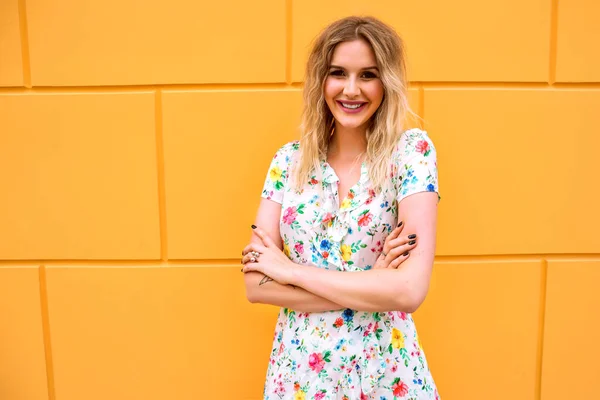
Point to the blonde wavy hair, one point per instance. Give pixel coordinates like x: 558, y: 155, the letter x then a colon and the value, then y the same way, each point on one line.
x: 386, y: 124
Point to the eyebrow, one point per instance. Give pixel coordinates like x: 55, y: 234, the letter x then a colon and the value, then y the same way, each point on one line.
x: 363, y: 69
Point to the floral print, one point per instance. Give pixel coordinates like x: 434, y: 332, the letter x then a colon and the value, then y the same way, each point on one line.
x: 347, y: 354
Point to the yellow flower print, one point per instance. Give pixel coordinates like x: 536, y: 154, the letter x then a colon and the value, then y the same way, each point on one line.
x: 397, y: 339
x: 299, y: 395
x: 275, y: 174
x: 346, y: 203
x: 346, y: 252
x: 286, y: 249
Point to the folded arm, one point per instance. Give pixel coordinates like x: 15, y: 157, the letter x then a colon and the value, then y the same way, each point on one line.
x: 402, y: 289
x: 271, y: 292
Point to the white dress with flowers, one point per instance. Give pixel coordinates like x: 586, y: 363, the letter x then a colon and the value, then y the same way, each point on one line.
x: 347, y: 354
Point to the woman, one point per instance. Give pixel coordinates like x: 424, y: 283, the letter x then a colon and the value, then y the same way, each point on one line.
x: 334, y: 243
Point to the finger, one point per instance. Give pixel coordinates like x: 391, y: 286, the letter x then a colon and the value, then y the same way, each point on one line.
x: 399, y: 260
x: 389, y: 240
x: 396, y: 231
x: 266, y: 239
x: 252, y: 266
x: 402, y: 240
x: 254, y: 247
x: 399, y: 250
x: 254, y: 253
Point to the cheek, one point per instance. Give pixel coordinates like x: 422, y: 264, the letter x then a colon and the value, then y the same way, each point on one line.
x: 331, y: 89
x: 376, y: 92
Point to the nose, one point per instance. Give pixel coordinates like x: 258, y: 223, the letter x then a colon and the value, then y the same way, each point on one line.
x: 351, y: 88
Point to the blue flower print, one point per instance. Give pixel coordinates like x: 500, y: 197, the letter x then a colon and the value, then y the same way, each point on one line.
x: 325, y: 245
x: 348, y: 315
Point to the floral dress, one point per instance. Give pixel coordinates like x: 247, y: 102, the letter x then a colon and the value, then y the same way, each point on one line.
x: 347, y: 354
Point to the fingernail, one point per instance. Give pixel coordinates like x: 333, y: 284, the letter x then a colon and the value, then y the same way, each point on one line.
x: 242, y: 270
x: 253, y: 226
x: 405, y: 254
x: 399, y: 224
x: 412, y: 242
x: 412, y: 236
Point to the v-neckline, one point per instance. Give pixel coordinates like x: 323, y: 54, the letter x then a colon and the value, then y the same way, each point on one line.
x: 333, y: 178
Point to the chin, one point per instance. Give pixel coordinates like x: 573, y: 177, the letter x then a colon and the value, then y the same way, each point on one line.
x: 351, y: 123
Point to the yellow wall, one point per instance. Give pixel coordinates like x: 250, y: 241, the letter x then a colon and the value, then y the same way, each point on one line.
x: 134, y: 139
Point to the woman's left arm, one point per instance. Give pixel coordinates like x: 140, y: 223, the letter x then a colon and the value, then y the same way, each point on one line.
x: 402, y: 289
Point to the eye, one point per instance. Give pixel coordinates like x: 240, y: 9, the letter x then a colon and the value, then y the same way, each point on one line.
x: 336, y: 72
x: 369, y: 75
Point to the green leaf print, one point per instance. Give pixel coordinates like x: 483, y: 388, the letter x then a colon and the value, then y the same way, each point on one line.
x: 279, y: 185
x: 300, y: 209
x: 390, y: 348
x: 327, y: 356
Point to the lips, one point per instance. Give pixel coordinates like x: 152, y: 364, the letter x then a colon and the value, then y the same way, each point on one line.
x: 351, y: 107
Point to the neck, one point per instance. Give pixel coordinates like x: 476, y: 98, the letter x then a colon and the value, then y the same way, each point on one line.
x: 348, y: 142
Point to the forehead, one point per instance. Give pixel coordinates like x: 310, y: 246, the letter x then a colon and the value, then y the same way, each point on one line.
x: 356, y: 53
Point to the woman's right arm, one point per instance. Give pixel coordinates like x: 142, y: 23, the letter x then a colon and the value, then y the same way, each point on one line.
x: 261, y: 289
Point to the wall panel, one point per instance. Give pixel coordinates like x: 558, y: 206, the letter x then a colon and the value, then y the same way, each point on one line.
x: 81, y: 169
x: 218, y: 147
x: 22, y: 356
x: 464, y: 40
x: 571, y: 330
x: 156, y: 333
x: 515, y: 170
x: 11, y: 64
x: 479, y: 328
x: 578, y: 59
x: 116, y: 42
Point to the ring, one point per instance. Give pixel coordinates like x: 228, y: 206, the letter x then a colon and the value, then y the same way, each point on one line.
x: 255, y: 254
x: 253, y: 259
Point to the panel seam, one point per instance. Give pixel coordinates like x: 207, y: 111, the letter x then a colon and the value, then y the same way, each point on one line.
x: 46, y: 332
x: 25, y: 56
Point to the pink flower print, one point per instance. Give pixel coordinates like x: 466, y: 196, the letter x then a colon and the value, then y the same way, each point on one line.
x: 289, y: 216
x: 400, y: 388
x: 319, y: 395
x: 299, y: 247
x: 371, y: 196
x: 316, y: 362
x: 365, y: 219
x: 422, y: 146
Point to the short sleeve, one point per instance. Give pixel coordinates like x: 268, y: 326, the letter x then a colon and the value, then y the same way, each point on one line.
x: 277, y: 177
x: 414, y: 165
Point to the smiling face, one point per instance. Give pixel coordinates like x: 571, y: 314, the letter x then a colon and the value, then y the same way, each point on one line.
x: 353, y: 88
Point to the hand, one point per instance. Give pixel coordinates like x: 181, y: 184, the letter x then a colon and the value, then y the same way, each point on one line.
x: 396, y: 249
x: 268, y: 259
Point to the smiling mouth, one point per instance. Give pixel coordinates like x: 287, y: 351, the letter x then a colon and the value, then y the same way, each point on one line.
x: 352, y: 106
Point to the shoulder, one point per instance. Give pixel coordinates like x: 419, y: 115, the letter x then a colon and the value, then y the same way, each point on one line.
x: 414, y: 139
x: 413, y: 143
x: 283, y: 160
x: 287, y: 151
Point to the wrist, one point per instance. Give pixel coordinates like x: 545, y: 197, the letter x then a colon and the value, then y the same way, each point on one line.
x: 296, y: 273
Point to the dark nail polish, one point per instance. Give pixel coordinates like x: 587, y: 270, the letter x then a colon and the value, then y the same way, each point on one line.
x: 405, y: 254
x: 253, y: 226
x: 412, y: 236
x: 412, y: 242
x: 242, y: 270
x: 399, y: 224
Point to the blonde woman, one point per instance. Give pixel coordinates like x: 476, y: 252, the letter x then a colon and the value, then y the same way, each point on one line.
x: 335, y: 239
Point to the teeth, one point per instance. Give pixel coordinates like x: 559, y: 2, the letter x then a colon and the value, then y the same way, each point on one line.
x: 351, y: 105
